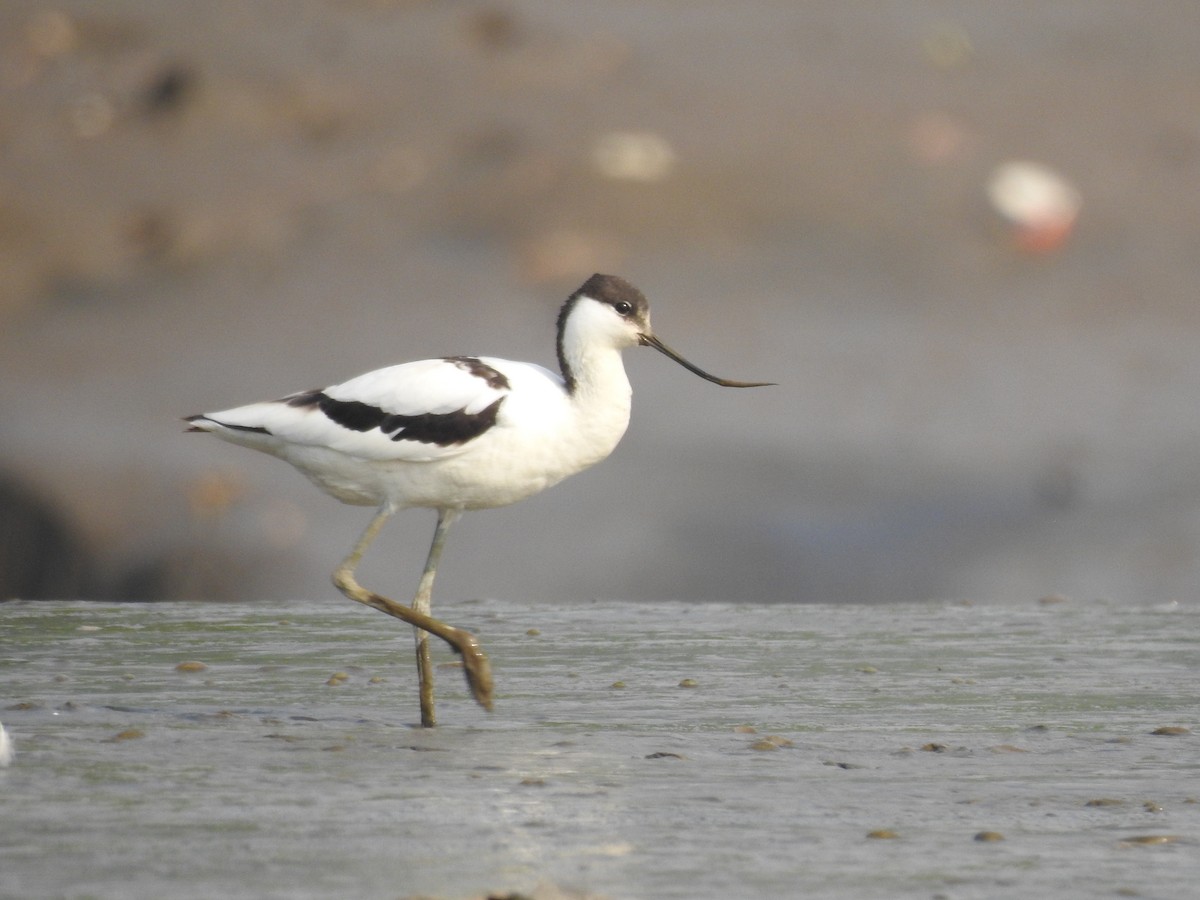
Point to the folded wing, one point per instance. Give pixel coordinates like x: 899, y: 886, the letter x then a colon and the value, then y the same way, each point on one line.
x: 418, y: 411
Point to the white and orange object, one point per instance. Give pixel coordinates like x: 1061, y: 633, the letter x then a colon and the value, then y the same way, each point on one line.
x: 1039, y: 205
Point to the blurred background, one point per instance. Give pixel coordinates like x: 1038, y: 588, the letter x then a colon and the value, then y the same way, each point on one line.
x: 961, y: 236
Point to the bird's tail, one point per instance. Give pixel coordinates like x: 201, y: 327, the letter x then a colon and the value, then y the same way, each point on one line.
x: 199, y: 423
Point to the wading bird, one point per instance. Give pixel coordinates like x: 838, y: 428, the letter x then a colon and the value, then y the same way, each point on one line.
x: 459, y: 433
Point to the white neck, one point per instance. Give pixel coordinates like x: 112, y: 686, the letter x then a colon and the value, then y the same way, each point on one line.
x: 595, y: 374
x: 592, y: 368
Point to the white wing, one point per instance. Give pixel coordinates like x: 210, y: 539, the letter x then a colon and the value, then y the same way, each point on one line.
x: 418, y: 411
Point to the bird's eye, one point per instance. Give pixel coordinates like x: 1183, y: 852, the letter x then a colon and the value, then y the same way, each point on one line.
x: 624, y: 307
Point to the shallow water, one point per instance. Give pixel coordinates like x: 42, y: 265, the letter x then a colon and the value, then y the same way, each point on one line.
x: 255, y: 778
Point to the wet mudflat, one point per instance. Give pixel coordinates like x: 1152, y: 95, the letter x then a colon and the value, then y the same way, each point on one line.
x: 637, y: 751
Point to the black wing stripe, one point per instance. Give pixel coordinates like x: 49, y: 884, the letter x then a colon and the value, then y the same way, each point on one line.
x: 442, y: 429
x: 494, y: 378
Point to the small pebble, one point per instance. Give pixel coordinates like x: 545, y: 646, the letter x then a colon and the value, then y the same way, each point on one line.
x: 689, y: 683
x: 168, y: 89
x: 663, y: 754
x: 534, y: 632
x: 618, y: 685
x: 745, y: 729
x: 191, y: 665
x: 129, y: 734
x: 52, y: 33
x: 1104, y: 801
x: 883, y: 834
x: 640, y: 156
x: 1151, y: 806
x: 771, y: 742
x: 376, y: 679
x: 868, y: 670
x: 532, y: 782
x: 1172, y: 730
x: 933, y: 747
x: 988, y: 836
x: 337, y: 678
x: 1146, y: 840
x: 1054, y: 599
